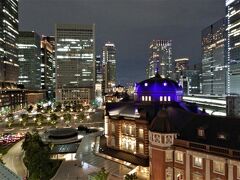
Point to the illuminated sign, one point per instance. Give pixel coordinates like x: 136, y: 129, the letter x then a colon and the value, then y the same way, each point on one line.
x: 228, y: 2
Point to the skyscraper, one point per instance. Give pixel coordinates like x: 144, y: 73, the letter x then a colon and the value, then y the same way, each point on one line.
x: 75, y: 62
x: 160, y: 58
x: 29, y: 57
x: 109, y: 64
x: 8, y: 38
x: 11, y: 97
x: 233, y: 46
x: 213, y: 60
x: 181, y: 64
x: 47, y: 68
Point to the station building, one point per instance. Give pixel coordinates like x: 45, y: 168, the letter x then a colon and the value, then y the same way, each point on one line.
x: 172, y: 137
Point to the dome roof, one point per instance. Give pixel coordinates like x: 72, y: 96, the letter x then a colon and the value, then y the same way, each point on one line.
x: 157, y: 84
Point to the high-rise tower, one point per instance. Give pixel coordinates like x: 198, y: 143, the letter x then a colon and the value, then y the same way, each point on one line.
x: 75, y: 62
x: 160, y: 58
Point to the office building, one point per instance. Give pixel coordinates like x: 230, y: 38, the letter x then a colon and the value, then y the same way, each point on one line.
x: 173, y: 138
x: 8, y: 38
x: 233, y: 46
x: 29, y: 58
x: 47, y: 68
x: 12, y: 97
x: 160, y: 58
x: 214, y: 66
x: 181, y: 64
x: 109, y: 65
x: 75, y: 63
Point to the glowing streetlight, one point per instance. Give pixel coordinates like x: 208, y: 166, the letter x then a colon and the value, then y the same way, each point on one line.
x: 48, y: 118
x: 75, y: 117
x: 20, y: 119
x: 62, y: 118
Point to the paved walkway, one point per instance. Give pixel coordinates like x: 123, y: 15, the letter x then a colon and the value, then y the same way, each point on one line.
x: 70, y: 170
x: 14, y: 160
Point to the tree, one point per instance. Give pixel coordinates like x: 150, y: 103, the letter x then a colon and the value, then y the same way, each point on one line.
x: 101, y: 175
x: 132, y: 176
x: 53, y: 118
x: 10, y: 119
x: 37, y: 157
x: 30, y: 108
x: 81, y: 116
x: 67, y: 118
x: 24, y: 119
x: 39, y: 119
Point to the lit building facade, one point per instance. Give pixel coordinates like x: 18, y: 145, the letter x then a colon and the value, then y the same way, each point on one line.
x: 233, y: 46
x: 29, y: 58
x: 9, y: 68
x: 75, y: 63
x: 175, y: 139
x: 109, y: 65
x: 214, y: 66
x: 160, y: 58
x: 181, y: 64
x: 47, y: 66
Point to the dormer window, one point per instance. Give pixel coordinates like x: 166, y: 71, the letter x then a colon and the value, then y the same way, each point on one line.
x: 145, y: 84
x: 169, y: 98
x: 161, y: 98
x: 222, y: 136
x: 165, y: 84
x: 201, y: 132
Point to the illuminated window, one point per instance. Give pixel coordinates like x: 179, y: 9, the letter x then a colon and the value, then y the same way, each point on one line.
x: 169, y: 173
x: 222, y: 136
x: 169, y: 98
x: 113, y: 127
x: 140, y: 133
x: 149, y: 98
x: 143, y: 99
x: 201, y: 132
x: 141, y: 148
x: 161, y: 98
x: 168, y: 156
x: 219, y: 167
x: 145, y: 84
x: 197, y: 162
x: 165, y: 98
x: 179, y: 156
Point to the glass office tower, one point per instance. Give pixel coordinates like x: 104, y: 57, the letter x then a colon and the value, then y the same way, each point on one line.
x: 29, y: 58
x: 8, y: 39
x: 214, y: 66
x: 75, y: 63
x: 109, y: 63
x: 233, y: 46
x: 160, y: 58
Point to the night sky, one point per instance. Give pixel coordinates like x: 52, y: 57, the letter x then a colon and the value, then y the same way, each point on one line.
x: 130, y: 24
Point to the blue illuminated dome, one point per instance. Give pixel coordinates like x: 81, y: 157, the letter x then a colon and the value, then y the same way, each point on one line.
x: 158, y: 89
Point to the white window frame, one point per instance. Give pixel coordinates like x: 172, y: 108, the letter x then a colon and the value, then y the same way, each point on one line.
x: 181, y: 160
x: 217, y: 163
x: 195, y: 159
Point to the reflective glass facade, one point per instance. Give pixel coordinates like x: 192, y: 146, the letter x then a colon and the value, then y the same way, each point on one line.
x: 29, y: 59
x: 160, y: 58
x: 8, y: 37
x: 233, y: 46
x: 75, y: 62
x: 214, y: 66
x: 47, y: 68
x: 109, y: 63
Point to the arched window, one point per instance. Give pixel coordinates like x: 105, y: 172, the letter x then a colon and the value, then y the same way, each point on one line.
x: 161, y: 98
x: 169, y: 98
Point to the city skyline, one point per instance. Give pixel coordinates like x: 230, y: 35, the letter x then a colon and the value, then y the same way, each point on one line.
x: 130, y: 33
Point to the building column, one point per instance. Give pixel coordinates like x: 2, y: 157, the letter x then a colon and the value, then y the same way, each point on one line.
x: 207, y: 173
x: 230, y: 171
x: 187, y: 171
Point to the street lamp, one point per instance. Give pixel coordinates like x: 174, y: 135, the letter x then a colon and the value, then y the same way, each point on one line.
x: 62, y: 118
x: 48, y: 118
x: 20, y: 119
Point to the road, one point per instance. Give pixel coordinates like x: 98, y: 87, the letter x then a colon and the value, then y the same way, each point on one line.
x: 13, y: 160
